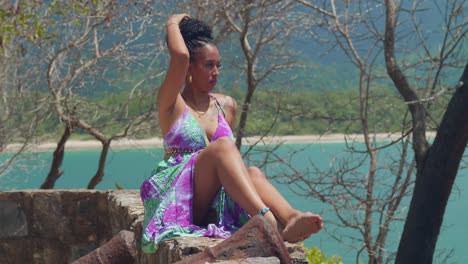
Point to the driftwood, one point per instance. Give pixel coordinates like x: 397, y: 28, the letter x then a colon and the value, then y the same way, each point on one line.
x: 118, y: 250
x: 257, y: 238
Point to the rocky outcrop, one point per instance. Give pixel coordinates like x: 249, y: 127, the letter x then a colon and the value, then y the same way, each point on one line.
x: 62, y: 226
x: 52, y: 226
x: 119, y: 250
x: 174, y: 250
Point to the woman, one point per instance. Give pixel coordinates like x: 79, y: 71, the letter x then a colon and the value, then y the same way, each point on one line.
x: 186, y: 196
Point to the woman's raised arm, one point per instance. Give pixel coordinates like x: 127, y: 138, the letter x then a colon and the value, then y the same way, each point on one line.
x: 168, y: 95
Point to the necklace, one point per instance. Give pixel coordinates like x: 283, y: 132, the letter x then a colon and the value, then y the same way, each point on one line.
x: 193, y: 106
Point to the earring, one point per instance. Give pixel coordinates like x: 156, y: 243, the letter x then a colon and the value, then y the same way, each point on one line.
x: 190, y: 78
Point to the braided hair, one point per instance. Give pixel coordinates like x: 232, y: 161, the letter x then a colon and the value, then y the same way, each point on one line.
x: 196, y: 34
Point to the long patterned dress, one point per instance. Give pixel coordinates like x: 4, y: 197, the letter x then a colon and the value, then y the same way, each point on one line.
x: 167, y: 195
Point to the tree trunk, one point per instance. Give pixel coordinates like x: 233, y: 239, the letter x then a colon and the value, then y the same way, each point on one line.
x: 102, y: 162
x: 434, y: 181
x: 243, y: 118
x: 56, y: 167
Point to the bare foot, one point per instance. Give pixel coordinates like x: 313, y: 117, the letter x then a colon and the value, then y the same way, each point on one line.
x: 302, y: 226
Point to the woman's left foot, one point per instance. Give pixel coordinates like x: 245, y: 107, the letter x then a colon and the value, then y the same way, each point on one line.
x: 302, y: 226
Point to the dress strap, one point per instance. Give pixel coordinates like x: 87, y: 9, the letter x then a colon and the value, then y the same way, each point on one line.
x: 218, y: 105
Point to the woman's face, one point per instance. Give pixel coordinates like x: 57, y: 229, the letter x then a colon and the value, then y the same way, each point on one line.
x: 204, y: 68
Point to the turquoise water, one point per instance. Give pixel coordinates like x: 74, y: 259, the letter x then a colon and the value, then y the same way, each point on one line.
x: 130, y: 167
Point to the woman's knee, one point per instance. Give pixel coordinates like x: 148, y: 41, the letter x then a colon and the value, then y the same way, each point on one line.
x: 220, y: 148
x: 223, y: 144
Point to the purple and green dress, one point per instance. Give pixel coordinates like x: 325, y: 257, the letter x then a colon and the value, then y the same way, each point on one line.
x: 167, y: 195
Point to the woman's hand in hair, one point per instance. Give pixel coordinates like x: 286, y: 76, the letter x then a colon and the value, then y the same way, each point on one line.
x: 175, y: 20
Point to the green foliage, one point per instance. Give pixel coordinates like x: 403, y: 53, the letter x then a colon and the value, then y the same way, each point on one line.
x: 118, y: 186
x: 299, y: 113
x: 24, y: 22
x: 315, y: 256
x: 37, y: 20
x: 307, y: 112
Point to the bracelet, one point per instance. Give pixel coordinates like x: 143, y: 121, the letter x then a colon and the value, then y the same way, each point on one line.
x: 263, y: 211
x: 170, y: 24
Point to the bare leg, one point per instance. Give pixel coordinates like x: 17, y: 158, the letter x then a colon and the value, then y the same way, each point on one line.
x: 221, y: 164
x: 297, y: 225
x: 282, y: 210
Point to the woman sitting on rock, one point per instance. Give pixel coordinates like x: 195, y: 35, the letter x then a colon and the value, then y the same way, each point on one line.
x: 203, y: 187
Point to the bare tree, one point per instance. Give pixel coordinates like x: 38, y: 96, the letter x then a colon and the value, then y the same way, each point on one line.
x: 22, y: 105
x: 263, y: 29
x: 437, y: 164
x: 348, y: 189
x: 112, y: 45
x: 356, y: 27
x: 90, y: 49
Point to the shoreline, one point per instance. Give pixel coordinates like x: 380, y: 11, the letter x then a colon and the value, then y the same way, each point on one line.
x: 158, y: 143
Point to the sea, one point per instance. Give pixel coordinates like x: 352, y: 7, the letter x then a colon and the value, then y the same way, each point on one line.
x: 130, y: 167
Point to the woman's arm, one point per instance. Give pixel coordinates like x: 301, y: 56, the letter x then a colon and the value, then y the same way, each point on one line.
x: 168, y: 97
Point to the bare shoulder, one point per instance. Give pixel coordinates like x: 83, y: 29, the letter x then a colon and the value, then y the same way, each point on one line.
x: 226, y: 101
x: 230, y: 107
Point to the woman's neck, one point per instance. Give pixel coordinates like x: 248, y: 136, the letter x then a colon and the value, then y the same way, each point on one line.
x: 197, y: 98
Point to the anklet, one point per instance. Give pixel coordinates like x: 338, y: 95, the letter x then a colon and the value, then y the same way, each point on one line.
x: 263, y: 211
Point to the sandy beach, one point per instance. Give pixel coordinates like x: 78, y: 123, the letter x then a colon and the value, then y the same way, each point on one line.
x: 157, y: 142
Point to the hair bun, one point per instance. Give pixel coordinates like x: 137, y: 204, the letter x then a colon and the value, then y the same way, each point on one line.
x: 194, y: 30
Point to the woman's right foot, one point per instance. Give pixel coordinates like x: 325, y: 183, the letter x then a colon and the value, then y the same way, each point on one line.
x: 302, y: 226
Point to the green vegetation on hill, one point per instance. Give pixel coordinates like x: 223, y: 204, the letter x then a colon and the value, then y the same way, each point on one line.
x: 296, y: 113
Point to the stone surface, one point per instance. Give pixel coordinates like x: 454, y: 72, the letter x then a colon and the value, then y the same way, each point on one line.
x: 60, y: 226
x: 13, y: 220
x: 48, y: 218
x: 268, y: 260
x: 118, y: 250
x: 173, y: 250
x: 257, y: 238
